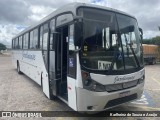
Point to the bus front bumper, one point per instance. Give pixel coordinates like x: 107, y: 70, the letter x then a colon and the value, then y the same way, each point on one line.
x: 100, y: 101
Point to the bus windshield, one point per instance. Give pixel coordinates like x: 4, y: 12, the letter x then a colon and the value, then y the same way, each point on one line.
x: 111, y: 41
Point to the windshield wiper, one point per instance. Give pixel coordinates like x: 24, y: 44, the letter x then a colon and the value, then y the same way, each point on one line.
x: 115, y: 57
x: 135, y: 57
x: 112, y: 63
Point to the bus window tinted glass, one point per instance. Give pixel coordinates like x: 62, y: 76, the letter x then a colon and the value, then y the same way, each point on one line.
x: 71, y: 38
x: 20, y: 42
x: 35, y: 38
x: 100, y: 46
x: 31, y: 40
x: 45, y: 38
x: 62, y: 19
x: 52, y: 25
x: 45, y: 26
x: 16, y: 43
x: 41, y: 37
x: 25, y: 41
x: 130, y: 37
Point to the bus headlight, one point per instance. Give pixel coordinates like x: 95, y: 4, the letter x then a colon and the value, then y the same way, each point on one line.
x: 97, y: 87
x: 141, y: 80
x: 90, y: 84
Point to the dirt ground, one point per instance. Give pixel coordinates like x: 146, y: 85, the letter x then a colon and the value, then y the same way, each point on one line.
x: 20, y: 93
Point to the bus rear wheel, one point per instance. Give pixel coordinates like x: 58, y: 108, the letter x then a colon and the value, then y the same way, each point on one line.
x: 18, y: 68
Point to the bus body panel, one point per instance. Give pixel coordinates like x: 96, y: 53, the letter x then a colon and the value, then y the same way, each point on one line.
x: 115, y: 79
x: 71, y: 86
x: 98, y: 100
x: 32, y: 64
x: 79, y: 76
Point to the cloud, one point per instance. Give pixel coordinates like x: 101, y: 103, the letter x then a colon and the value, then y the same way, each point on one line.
x: 39, y: 12
x: 9, y: 30
x: 23, y: 13
x: 48, y: 3
x: 13, y: 11
x: 147, y: 13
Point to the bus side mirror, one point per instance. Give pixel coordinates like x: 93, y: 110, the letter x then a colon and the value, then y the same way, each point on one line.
x: 78, y: 32
x: 141, y: 33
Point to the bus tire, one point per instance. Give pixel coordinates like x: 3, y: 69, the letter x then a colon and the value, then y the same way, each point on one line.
x: 52, y: 97
x: 18, y: 68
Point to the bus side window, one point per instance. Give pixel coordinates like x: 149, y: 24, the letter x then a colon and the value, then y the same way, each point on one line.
x: 52, y: 25
x: 71, y: 38
x: 13, y: 44
x: 20, y: 42
x: 63, y: 19
x: 31, y: 40
x: 25, y: 41
x: 45, y: 38
x: 45, y: 26
x: 41, y: 37
x: 105, y: 38
x: 52, y: 37
x: 16, y: 43
x: 35, y: 38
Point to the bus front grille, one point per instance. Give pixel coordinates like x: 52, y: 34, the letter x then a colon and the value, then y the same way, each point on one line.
x: 121, y: 86
x: 118, y: 101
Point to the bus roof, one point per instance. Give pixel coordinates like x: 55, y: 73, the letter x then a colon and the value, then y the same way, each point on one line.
x: 72, y: 7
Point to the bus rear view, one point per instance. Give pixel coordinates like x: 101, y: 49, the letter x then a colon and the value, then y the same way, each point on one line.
x: 111, y: 60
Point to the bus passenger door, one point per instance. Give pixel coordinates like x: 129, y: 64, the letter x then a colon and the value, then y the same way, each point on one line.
x: 54, y: 62
x: 72, y: 66
x: 61, y: 62
x: 45, y: 80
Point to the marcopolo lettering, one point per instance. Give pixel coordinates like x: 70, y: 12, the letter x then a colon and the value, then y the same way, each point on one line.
x: 118, y: 79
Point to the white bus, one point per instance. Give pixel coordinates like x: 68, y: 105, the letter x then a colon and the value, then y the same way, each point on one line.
x: 88, y: 56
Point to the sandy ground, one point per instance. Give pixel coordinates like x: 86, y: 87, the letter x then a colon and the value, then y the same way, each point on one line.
x: 20, y: 93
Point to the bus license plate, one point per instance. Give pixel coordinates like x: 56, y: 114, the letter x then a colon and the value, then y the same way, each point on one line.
x: 124, y: 94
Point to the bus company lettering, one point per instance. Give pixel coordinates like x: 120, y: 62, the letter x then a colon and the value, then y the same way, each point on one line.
x: 118, y: 79
x: 29, y: 56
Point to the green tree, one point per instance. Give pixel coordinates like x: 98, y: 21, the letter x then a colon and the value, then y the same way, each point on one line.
x: 146, y: 41
x: 2, y: 47
x: 156, y: 40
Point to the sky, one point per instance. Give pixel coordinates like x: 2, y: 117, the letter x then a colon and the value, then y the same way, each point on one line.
x: 16, y: 15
